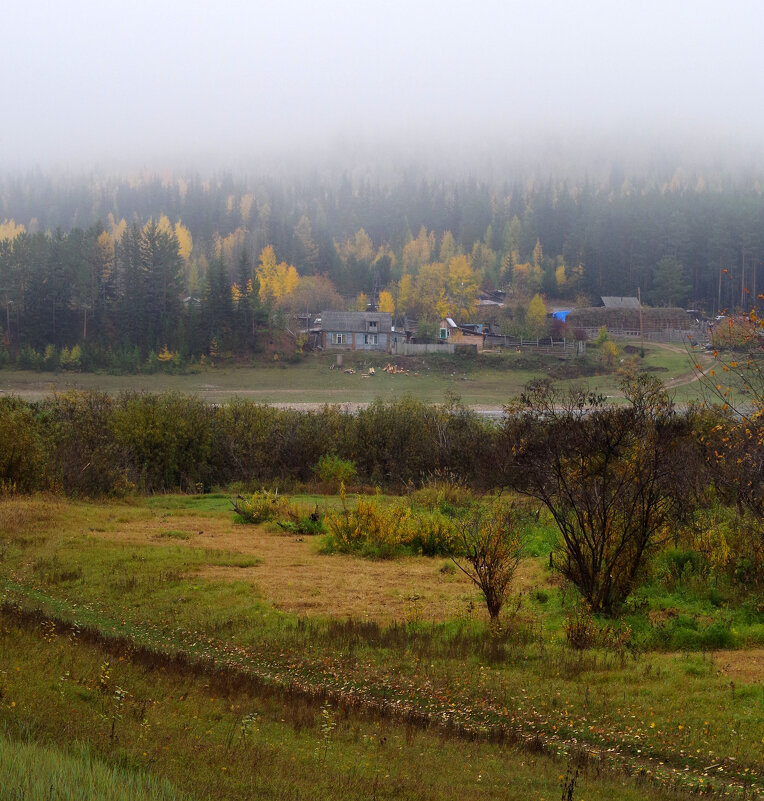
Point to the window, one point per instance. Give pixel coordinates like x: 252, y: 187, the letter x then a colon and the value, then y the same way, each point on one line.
x: 339, y: 339
x: 444, y: 333
x: 372, y: 325
x: 370, y: 339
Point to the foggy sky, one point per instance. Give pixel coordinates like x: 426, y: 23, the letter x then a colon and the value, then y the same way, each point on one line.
x: 146, y: 83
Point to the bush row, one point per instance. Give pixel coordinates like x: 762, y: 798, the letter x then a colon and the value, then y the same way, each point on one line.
x: 91, y: 444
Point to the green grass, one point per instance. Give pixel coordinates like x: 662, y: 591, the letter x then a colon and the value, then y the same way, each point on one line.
x: 489, y: 380
x: 208, y: 738
x: 651, y: 711
x: 35, y: 772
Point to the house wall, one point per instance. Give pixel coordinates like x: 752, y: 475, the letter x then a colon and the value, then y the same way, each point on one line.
x: 461, y: 338
x: 355, y: 341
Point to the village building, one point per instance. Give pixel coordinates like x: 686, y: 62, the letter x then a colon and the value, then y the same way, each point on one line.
x: 456, y: 334
x: 367, y: 330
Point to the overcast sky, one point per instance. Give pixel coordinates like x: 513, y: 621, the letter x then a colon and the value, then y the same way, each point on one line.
x: 143, y: 82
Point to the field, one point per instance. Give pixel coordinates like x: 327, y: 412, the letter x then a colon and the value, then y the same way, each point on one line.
x: 158, y: 642
x: 488, y: 381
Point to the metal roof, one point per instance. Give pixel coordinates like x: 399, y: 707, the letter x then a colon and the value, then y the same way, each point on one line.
x: 356, y: 321
x: 611, y: 302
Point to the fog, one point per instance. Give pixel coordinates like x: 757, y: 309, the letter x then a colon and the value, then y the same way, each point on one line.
x: 234, y: 84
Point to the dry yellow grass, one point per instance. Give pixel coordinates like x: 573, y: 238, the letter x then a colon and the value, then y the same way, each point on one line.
x: 291, y: 574
x: 746, y: 667
x: 294, y: 577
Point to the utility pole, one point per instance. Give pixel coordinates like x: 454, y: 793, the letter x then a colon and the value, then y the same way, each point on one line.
x: 641, y: 333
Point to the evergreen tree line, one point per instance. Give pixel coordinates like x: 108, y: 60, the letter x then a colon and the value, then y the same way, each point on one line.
x: 125, y: 284
x: 87, y: 300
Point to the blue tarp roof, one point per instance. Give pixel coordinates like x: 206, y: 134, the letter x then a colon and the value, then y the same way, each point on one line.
x: 561, y: 315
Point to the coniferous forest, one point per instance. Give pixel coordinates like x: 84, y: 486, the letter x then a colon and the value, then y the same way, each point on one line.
x: 114, y: 270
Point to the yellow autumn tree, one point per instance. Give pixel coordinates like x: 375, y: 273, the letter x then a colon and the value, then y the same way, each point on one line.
x: 463, y: 286
x: 245, y: 206
x: 105, y: 255
x: 559, y: 276
x: 448, y: 247
x: 536, y: 317
x: 362, y: 301
x: 116, y: 229
x: 430, y: 291
x: 360, y: 248
x: 405, y: 292
x: 418, y: 251
x: 163, y: 224
x: 521, y: 275
x: 229, y: 247
x: 386, y: 303
x: 276, y: 280
x: 9, y: 229
x: 185, y: 241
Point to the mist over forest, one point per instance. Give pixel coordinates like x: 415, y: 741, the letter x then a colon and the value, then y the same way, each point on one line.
x: 191, y: 260
x: 190, y: 180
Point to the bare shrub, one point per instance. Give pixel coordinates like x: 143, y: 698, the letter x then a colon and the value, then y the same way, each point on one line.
x: 490, y: 543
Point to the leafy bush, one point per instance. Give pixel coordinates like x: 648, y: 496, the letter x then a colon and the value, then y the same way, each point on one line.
x: 261, y: 507
x: 22, y: 455
x: 431, y: 533
x: 28, y: 359
x: 51, y: 359
x: 580, y: 630
x: 331, y: 469
x: 84, y: 457
x: 445, y: 493
x: 71, y: 359
x: 730, y: 544
x: 368, y: 527
x: 299, y: 520
x: 165, y: 440
x: 373, y: 529
x: 685, y: 633
x: 675, y: 566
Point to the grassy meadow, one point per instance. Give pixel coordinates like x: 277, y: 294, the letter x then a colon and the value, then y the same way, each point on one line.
x: 157, y: 643
x: 489, y: 380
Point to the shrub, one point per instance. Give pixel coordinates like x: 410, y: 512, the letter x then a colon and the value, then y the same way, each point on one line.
x: 22, y: 456
x: 368, y: 527
x: 261, y: 507
x: 299, y: 520
x: 491, y: 544
x: 431, y: 534
x: 84, y: 457
x: 674, y: 565
x: 51, y: 360
x: 444, y: 492
x: 71, y: 359
x: 609, y: 354
x: 606, y: 475
x: 730, y: 545
x: 29, y: 359
x: 166, y: 440
x: 331, y: 469
x: 580, y: 630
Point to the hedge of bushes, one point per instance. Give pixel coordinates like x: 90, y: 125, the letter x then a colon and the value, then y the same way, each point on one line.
x: 92, y: 444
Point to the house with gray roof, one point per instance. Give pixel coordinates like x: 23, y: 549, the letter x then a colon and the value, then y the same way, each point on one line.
x: 367, y: 330
x: 610, y: 302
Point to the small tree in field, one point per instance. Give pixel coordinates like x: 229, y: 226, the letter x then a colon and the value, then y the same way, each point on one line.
x: 490, y: 543
x: 607, y: 475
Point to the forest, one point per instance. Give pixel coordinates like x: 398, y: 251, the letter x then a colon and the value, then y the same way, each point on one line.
x: 120, y: 271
